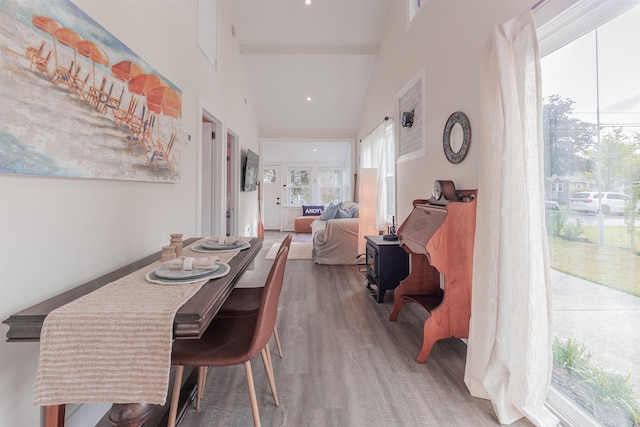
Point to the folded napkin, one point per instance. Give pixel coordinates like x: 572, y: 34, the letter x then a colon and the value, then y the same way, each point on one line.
x: 229, y: 240
x: 189, y: 263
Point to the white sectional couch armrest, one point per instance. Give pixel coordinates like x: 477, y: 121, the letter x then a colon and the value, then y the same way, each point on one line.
x: 317, y: 225
x: 337, y: 242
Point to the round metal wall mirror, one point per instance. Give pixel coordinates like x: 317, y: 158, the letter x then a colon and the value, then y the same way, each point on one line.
x: 457, y: 137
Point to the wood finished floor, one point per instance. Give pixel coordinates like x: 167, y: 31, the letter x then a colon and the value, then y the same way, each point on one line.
x: 345, y: 363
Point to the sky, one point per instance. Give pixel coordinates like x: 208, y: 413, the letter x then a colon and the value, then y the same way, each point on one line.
x: 571, y: 72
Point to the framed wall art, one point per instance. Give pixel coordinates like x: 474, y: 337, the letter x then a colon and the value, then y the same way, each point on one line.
x: 411, y: 138
x: 78, y: 103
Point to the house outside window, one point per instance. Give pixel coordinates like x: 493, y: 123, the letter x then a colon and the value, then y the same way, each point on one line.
x: 331, y: 185
x: 557, y: 190
x: 299, y: 186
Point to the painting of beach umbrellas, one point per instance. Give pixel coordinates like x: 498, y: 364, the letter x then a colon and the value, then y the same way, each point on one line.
x: 78, y: 103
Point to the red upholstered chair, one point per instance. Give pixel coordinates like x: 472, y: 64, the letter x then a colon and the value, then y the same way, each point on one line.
x: 245, y: 301
x: 233, y: 341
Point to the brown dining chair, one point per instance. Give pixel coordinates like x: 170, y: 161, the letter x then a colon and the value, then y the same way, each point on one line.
x: 246, y: 301
x: 232, y: 341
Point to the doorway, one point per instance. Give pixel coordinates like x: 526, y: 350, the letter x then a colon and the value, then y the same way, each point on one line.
x: 209, y: 129
x: 233, y: 184
x: 218, y: 163
x: 272, y: 195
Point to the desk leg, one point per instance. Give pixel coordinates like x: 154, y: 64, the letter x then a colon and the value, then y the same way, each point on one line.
x: 52, y: 416
x: 130, y: 414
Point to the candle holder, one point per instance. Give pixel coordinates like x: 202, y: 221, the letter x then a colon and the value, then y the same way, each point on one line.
x: 176, y: 240
x: 168, y: 253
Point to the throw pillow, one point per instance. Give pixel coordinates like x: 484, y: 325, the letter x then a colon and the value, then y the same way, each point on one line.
x: 341, y: 213
x: 312, y: 210
x: 330, y: 211
x: 348, y: 204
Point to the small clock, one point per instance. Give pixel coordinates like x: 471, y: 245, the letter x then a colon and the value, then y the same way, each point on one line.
x: 442, y: 192
x: 436, y: 190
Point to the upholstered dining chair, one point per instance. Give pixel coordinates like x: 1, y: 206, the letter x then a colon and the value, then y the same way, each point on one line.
x: 245, y: 301
x: 232, y: 341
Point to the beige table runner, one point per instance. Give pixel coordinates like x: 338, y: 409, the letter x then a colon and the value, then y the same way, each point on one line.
x: 114, y: 344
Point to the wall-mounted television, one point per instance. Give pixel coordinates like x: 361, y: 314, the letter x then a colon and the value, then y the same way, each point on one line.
x: 250, y: 171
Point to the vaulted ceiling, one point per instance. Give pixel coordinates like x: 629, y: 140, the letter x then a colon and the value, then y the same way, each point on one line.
x: 325, y: 51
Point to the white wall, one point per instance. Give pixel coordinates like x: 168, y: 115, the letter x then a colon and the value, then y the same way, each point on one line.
x: 445, y: 38
x: 58, y: 233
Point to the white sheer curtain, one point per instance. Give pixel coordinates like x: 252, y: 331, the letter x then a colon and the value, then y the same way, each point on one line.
x: 373, y: 155
x: 371, y: 148
x: 509, y: 358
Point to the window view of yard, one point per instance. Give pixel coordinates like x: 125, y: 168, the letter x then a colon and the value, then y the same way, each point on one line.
x: 299, y: 186
x: 330, y: 185
x: 591, y: 90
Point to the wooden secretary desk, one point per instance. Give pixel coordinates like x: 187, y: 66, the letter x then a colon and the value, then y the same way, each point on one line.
x: 439, y: 241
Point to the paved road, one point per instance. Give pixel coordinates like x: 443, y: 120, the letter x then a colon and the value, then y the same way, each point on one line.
x: 608, y: 321
x: 592, y: 219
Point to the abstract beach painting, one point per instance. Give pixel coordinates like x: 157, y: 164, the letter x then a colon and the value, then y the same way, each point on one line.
x: 78, y: 103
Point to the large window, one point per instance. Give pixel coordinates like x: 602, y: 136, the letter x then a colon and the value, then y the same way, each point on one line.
x: 330, y: 185
x: 591, y: 90
x: 388, y: 172
x: 299, y: 186
x: 378, y: 150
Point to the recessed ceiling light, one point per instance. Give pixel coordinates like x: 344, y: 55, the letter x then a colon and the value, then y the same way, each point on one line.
x: 308, y: 98
x: 307, y: 2
x: 314, y: 150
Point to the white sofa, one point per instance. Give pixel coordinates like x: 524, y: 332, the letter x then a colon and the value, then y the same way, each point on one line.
x: 335, y: 241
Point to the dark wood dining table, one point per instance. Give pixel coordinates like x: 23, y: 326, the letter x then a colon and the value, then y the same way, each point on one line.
x: 190, y: 322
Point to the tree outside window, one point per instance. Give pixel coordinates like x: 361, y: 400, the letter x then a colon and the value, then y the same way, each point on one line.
x: 299, y: 186
x: 269, y: 176
x: 330, y: 185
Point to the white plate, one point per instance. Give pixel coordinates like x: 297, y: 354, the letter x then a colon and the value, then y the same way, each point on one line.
x: 222, y: 270
x: 166, y: 273
x: 214, y: 245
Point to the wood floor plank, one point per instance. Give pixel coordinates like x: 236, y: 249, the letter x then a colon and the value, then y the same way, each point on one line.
x: 345, y: 363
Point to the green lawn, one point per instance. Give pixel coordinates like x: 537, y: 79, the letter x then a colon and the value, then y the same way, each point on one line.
x: 616, y: 236
x: 613, y: 264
